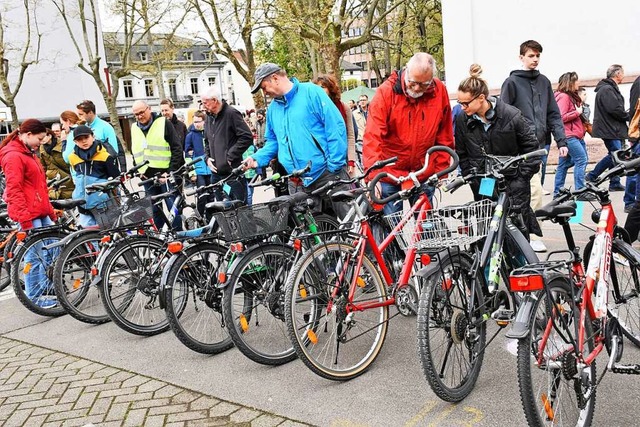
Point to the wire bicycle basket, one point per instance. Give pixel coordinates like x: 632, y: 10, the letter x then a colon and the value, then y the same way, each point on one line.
x: 252, y: 222
x: 126, y: 209
x: 444, y: 227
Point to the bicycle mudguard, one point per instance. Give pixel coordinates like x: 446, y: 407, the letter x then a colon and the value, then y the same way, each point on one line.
x: 70, y: 237
x: 166, y: 269
x: 521, y: 325
x: 434, y: 266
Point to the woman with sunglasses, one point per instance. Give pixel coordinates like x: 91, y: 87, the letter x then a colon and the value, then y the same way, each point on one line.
x: 490, y: 126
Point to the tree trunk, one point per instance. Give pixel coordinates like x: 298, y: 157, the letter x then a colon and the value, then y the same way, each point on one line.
x: 15, y: 123
x: 331, y: 60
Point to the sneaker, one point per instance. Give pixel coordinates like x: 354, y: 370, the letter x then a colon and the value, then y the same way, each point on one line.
x: 616, y: 188
x: 628, y: 208
x: 46, y: 302
x: 587, y: 197
x: 538, y: 246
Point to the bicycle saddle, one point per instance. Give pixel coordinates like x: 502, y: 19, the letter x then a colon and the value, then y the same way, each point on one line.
x: 553, y: 210
x: 347, y: 195
x: 293, y: 199
x: 224, y: 206
x: 67, y: 204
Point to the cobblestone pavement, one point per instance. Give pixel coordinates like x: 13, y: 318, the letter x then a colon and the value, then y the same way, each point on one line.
x: 42, y: 387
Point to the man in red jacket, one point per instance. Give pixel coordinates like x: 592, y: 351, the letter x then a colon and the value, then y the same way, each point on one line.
x: 409, y: 114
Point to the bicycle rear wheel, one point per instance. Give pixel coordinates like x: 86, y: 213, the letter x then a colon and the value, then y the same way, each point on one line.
x: 193, y: 302
x: 130, y: 285
x: 254, y: 304
x: 334, y: 338
x: 31, y: 273
x: 624, y: 300
x: 451, y: 332
x: 73, y: 279
x: 554, y: 390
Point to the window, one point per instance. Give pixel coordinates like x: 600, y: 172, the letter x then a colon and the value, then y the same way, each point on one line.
x: 206, y: 56
x: 148, y: 88
x: 229, y: 77
x: 194, y: 85
x: 211, y: 80
x: 173, y: 91
x: 144, y: 56
x: 127, y: 87
x: 188, y: 56
x: 373, y: 83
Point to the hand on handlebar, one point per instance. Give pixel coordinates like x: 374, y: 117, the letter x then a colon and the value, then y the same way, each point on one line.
x: 212, y: 165
x: 249, y: 163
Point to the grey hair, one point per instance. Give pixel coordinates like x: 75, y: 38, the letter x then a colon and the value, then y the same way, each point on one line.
x: 422, y: 62
x: 211, y: 93
x: 613, y: 70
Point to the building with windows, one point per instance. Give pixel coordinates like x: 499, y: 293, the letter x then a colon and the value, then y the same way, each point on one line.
x: 188, y: 68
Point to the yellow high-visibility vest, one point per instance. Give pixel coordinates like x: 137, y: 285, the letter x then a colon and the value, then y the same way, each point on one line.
x: 151, y: 147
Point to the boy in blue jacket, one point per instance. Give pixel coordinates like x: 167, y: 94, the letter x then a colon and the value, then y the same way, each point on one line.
x: 193, y: 148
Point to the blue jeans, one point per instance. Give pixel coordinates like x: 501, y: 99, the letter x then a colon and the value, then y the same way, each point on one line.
x: 158, y: 216
x: 36, y: 281
x: 607, y: 162
x: 632, y: 190
x: 86, y: 220
x: 396, y: 206
x: 577, y: 157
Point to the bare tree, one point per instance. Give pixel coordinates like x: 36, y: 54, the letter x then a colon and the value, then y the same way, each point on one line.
x: 27, y: 53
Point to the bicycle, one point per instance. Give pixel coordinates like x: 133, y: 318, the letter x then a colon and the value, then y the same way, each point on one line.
x: 338, y: 296
x: 475, y: 247
x: 570, y: 318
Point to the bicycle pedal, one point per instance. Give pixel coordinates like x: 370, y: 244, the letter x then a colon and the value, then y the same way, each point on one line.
x: 503, y: 316
x: 626, y: 369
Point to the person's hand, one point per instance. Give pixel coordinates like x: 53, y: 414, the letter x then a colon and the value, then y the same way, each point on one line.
x: 190, y: 153
x: 249, y: 163
x: 579, y: 109
x: 162, y: 179
x: 212, y: 165
x: 563, y: 151
x: 194, y: 178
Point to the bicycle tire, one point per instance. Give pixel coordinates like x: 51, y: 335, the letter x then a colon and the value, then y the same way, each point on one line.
x: 73, y: 280
x: 557, y: 369
x: 129, y: 290
x: 8, y: 252
x: 191, y: 278
x: 311, y: 327
x: 444, y: 316
x: 254, y: 306
x: 624, y: 304
x: 22, y: 267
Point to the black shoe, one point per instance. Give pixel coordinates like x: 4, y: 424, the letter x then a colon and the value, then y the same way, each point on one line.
x: 587, y: 197
x: 589, y: 178
x: 616, y: 188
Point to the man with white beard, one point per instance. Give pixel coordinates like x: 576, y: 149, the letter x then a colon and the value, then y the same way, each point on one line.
x: 409, y: 114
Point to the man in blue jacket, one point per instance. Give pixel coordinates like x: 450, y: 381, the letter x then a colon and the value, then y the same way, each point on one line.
x: 303, y: 125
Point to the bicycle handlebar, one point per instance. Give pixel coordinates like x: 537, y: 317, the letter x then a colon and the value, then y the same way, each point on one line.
x: 136, y: 168
x: 332, y: 184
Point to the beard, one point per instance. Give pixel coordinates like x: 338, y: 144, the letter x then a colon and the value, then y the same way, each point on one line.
x: 413, y: 94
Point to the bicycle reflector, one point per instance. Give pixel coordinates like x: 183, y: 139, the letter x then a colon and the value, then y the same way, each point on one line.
x: 174, y: 247
x: 105, y: 239
x: 236, y: 247
x: 21, y: 235
x: 526, y: 283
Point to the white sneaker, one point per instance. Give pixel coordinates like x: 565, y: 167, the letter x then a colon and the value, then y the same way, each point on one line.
x: 538, y: 246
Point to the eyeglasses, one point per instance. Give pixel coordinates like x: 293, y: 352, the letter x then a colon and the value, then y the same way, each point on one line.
x: 140, y: 113
x: 422, y: 85
x: 465, y: 104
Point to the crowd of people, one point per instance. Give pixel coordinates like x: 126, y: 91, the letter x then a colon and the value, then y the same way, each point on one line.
x: 308, y: 121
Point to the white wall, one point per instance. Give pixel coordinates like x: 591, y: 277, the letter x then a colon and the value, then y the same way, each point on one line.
x: 239, y: 85
x: 584, y: 36
x: 55, y: 83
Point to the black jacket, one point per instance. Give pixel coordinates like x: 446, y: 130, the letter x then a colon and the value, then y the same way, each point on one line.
x: 531, y: 93
x: 634, y: 96
x: 610, y: 117
x: 180, y: 128
x: 508, y: 135
x: 227, y: 137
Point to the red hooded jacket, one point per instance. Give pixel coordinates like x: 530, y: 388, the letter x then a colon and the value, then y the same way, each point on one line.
x: 398, y: 125
x: 26, y: 192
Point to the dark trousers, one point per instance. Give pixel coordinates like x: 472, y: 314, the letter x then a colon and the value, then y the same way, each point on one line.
x: 340, y: 209
x: 158, y: 215
x: 235, y: 189
x: 203, y: 199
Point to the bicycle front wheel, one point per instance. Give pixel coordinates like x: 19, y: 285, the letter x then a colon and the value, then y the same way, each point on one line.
x: 73, y: 279
x: 554, y: 389
x: 31, y: 273
x: 131, y: 283
x: 193, y: 302
x: 451, y: 331
x: 336, y: 336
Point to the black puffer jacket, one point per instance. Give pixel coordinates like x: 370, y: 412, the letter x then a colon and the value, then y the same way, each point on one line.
x: 508, y: 135
x: 227, y: 138
x: 610, y: 117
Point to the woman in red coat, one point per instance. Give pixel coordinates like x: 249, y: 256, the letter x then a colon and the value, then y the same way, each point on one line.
x: 27, y: 198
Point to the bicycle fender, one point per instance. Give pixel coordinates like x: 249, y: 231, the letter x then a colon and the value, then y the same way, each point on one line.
x: 625, y: 248
x: 69, y: 238
x: 165, y: 272
x: 520, y: 326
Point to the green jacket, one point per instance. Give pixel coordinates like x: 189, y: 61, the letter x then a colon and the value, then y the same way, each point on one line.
x: 55, y: 167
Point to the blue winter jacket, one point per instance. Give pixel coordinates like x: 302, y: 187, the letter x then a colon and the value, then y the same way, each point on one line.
x: 195, y: 141
x: 102, y: 131
x: 304, y: 125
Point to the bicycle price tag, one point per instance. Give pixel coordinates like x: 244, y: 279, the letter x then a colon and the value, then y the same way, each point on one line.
x: 577, y: 218
x: 226, y: 188
x: 487, y: 185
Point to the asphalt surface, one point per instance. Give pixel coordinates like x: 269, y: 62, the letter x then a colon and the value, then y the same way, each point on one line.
x: 393, y: 392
